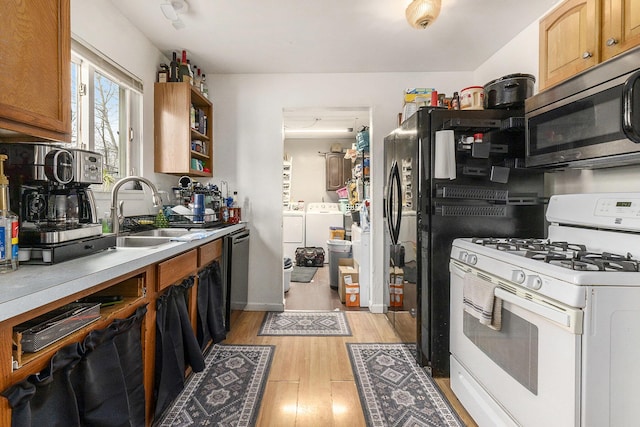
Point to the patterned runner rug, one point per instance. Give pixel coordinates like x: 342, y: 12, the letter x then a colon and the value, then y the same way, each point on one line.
x: 312, y: 323
x: 227, y: 392
x: 394, y: 390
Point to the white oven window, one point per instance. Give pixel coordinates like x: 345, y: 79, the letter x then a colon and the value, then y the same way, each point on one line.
x: 514, y: 347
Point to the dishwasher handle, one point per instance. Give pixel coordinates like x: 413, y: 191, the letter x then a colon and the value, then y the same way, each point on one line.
x: 240, y: 237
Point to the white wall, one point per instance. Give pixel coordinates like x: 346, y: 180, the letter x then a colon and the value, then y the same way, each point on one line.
x: 308, y: 178
x: 103, y: 27
x: 248, y: 136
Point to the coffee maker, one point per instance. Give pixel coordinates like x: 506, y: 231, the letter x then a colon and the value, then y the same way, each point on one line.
x: 52, y: 196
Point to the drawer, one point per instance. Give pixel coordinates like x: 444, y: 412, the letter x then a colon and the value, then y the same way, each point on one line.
x: 174, y: 269
x: 209, y: 252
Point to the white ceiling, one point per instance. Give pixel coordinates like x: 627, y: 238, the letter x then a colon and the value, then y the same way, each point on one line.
x: 332, y: 36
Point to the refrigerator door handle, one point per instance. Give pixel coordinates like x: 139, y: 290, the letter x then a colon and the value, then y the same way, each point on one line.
x: 389, y: 202
x: 396, y: 224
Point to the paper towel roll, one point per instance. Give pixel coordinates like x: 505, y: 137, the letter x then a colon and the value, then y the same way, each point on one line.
x: 444, y: 164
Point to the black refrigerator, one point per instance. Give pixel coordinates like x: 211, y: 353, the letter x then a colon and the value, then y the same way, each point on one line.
x: 450, y: 174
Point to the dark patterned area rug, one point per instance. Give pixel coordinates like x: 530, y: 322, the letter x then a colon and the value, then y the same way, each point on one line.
x: 312, y: 323
x: 394, y: 390
x: 229, y: 390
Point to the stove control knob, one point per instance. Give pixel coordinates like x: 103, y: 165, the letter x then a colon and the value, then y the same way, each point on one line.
x: 463, y: 256
x: 535, y: 282
x: 472, y: 259
x: 518, y: 276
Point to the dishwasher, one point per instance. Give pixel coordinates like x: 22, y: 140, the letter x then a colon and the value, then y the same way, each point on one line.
x: 236, y: 256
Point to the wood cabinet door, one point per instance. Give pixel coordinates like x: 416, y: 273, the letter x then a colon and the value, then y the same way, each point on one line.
x: 568, y: 41
x: 338, y: 171
x: 35, y: 88
x: 620, y: 26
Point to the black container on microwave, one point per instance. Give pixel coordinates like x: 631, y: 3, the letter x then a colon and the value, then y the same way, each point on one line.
x: 591, y: 120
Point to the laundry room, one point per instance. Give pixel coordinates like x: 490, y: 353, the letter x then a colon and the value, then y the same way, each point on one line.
x: 318, y: 175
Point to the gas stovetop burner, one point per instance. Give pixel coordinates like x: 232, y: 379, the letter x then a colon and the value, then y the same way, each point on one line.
x: 574, y: 256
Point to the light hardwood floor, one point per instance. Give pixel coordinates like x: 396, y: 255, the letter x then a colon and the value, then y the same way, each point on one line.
x: 311, y: 382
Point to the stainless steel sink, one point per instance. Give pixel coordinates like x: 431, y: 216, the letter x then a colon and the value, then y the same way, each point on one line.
x: 141, y: 241
x: 162, y: 232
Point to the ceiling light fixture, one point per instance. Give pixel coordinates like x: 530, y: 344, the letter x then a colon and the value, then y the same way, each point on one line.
x: 421, y: 13
x: 171, y: 9
x: 345, y: 130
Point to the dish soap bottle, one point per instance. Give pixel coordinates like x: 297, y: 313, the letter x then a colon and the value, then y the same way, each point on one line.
x: 8, y: 226
x: 161, y: 221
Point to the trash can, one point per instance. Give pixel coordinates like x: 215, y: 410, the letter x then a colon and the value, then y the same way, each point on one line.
x: 286, y: 277
x: 337, y: 249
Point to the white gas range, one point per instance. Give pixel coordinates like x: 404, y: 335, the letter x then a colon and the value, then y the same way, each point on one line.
x: 564, y: 348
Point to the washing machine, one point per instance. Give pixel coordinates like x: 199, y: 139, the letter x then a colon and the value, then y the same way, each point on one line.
x: 319, y: 220
x: 293, y: 232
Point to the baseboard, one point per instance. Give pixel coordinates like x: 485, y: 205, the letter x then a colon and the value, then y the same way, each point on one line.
x: 378, y: 308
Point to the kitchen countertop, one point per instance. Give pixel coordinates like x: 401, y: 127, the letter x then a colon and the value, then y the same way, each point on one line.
x: 32, y: 286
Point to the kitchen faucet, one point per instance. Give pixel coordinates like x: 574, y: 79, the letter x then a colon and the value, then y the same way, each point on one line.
x: 116, y: 217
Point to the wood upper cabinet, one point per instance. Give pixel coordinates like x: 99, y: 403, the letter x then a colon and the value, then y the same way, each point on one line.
x: 173, y: 134
x: 579, y: 34
x: 35, y: 88
x: 620, y: 26
x: 338, y: 170
x: 568, y: 41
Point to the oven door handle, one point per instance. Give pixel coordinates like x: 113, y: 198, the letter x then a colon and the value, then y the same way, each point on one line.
x: 560, y: 317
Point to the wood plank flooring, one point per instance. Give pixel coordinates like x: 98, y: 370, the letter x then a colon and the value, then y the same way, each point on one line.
x: 310, y: 382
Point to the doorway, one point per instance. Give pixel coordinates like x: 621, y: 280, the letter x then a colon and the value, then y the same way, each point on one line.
x: 315, y: 141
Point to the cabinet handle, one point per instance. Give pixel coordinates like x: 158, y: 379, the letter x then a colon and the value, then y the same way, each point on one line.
x: 612, y: 41
x: 587, y: 55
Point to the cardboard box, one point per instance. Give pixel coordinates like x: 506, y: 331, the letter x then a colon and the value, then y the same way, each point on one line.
x: 396, y: 287
x: 347, y: 274
x: 352, y: 294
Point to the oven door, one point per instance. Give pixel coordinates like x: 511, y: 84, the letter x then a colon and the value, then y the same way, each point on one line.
x: 526, y: 373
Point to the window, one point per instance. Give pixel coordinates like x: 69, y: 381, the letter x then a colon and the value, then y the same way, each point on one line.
x: 106, y: 108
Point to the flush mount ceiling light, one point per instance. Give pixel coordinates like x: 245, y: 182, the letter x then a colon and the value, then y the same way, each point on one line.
x: 422, y: 13
x: 171, y: 9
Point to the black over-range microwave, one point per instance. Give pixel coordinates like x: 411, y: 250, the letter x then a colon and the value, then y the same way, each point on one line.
x: 592, y: 120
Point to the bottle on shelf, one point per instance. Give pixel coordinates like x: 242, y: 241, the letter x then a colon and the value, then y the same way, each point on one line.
x: 184, y: 68
x: 173, y: 68
x: 163, y: 73
x: 190, y: 71
x: 203, y: 86
x: 8, y: 226
x: 198, y: 77
x: 455, y: 101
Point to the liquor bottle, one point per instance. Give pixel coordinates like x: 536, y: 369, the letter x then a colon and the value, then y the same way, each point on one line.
x: 8, y: 226
x: 173, y: 69
x: 455, y: 101
x: 203, y: 86
x: 184, y: 68
x: 190, y: 71
x: 198, y: 77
